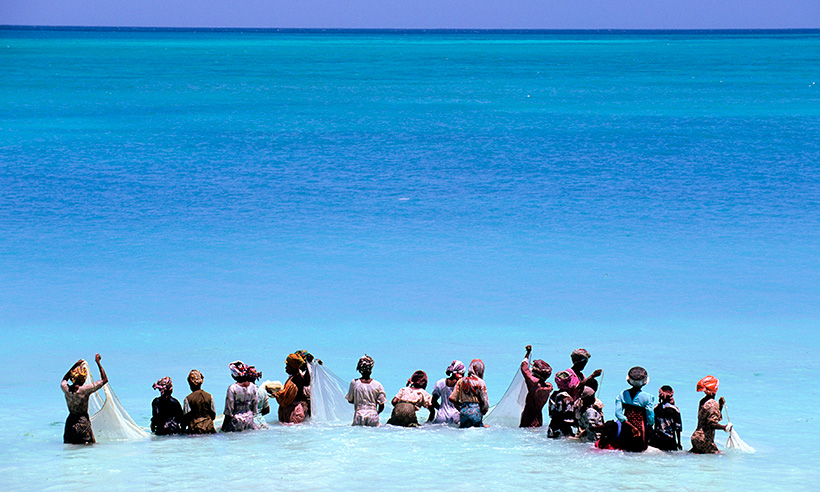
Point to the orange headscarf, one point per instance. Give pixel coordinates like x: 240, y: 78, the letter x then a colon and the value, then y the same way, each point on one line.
x: 708, y: 384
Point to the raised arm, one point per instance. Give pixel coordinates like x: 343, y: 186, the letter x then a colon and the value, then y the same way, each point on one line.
x: 103, y: 376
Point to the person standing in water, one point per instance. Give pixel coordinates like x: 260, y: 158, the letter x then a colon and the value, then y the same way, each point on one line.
x: 445, y: 412
x: 366, y: 394
x: 198, y: 408
x: 562, y: 406
x: 634, y: 409
x: 538, y: 390
x: 580, y: 357
x: 668, y: 424
x: 166, y: 412
x: 241, y: 400
x: 709, y: 417
x: 78, y: 424
x: 409, y: 400
x: 470, y: 396
x: 294, y: 405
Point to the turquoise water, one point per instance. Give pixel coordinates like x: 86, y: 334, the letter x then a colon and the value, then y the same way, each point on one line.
x: 183, y: 199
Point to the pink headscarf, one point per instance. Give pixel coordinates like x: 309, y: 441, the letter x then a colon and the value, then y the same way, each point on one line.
x: 566, y: 380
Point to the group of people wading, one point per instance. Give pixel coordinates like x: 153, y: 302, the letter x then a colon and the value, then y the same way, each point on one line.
x: 458, y: 399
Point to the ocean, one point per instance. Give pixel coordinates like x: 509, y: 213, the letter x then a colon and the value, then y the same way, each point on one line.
x: 182, y: 199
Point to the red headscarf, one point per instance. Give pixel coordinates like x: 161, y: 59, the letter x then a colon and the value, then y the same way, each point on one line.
x: 708, y: 384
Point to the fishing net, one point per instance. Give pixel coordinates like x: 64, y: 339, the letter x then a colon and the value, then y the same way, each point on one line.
x: 507, y: 412
x: 737, y: 444
x: 327, y: 396
x: 109, y: 420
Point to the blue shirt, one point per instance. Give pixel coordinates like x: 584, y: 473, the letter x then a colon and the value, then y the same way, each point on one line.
x: 641, y: 399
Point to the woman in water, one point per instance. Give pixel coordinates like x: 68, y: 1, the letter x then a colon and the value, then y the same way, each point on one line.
x: 562, y: 406
x: 198, y: 408
x: 409, y: 400
x: 445, y: 412
x: 667, y: 421
x: 241, y: 401
x: 366, y: 395
x: 709, y: 417
x: 591, y: 420
x: 78, y: 424
x: 634, y: 409
x: 294, y: 406
x: 538, y: 390
x: 580, y: 357
x: 470, y: 396
x: 166, y: 412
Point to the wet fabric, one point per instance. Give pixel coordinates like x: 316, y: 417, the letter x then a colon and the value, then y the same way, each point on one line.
x: 199, y: 412
x: 590, y: 418
x: 240, y: 407
x: 366, y: 398
x: 78, y: 429
x: 295, y: 413
x: 562, y: 415
x: 470, y: 415
x: 668, y: 427
x: 404, y: 415
x: 166, y: 416
x: 709, y: 416
x: 447, y: 413
x: 636, y: 416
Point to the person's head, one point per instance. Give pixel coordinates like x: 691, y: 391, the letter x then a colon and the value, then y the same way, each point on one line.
x: 252, y: 375
x: 365, y: 366
x: 78, y: 375
x: 709, y: 385
x: 476, y: 368
x: 455, y: 369
x: 592, y: 383
x: 637, y: 377
x: 609, y: 433
x: 566, y: 380
x: 418, y: 380
x: 666, y: 394
x: 293, y: 363
x: 580, y: 357
x: 588, y: 397
x: 541, y: 369
x: 165, y: 386
x: 195, y: 379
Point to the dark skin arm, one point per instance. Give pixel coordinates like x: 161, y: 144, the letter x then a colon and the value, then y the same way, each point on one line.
x: 103, y: 376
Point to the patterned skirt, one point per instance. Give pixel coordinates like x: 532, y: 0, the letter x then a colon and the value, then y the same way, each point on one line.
x: 470, y: 416
x: 78, y: 429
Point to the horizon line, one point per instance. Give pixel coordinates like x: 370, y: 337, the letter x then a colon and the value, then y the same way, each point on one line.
x: 12, y: 27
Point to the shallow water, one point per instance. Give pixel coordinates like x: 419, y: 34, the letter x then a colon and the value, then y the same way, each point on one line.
x: 183, y: 199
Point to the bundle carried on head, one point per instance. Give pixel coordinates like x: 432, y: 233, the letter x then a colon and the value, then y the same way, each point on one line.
x: 637, y: 377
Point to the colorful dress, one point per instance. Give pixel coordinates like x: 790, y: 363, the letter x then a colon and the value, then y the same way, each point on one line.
x: 411, y: 400
x: 537, y: 396
x: 668, y: 427
x: 703, y: 439
x: 638, y: 411
x: 366, y: 398
x: 78, y: 424
x: 199, y: 412
x: 241, y: 405
x: 447, y: 413
x: 470, y: 394
x: 294, y: 406
x: 166, y: 416
x: 261, y: 404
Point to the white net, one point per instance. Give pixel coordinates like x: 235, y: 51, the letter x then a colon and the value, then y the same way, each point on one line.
x: 507, y: 412
x: 327, y: 396
x: 109, y: 420
x: 735, y: 443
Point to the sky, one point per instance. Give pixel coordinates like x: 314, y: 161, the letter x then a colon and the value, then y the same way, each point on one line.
x: 418, y: 14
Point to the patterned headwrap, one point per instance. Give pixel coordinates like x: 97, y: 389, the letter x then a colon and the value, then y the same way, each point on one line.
x: 365, y: 364
x: 579, y: 355
x: 566, y: 380
x: 163, y: 384
x: 637, y: 377
x: 79, y: 374
x: 476, y: 368
x: 251, y: 374
x: 666, y: 394
x: 295, y: 361
x: 418, y: 380
x: 195, y: 377
x: 541, y: 369
x: 708, y: 384
x: 237, y: 369
x: 455, y: 367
